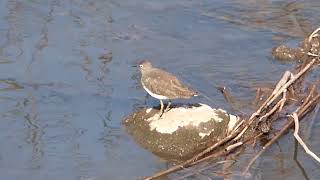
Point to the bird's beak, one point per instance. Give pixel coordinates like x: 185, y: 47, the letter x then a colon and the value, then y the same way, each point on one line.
x: 134, y: 66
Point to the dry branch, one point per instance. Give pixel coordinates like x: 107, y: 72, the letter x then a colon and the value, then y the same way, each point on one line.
x: 301, y: 112
x: 296, y: 135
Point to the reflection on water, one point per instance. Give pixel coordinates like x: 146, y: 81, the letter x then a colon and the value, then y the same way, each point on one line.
x: 66, y: 80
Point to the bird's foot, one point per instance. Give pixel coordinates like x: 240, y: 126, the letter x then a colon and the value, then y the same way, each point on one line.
x: 167, y: 110
x: 161, y: 114
x: 168, y: 107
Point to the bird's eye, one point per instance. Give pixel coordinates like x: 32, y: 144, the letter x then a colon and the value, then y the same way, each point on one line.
x: 140, y: 65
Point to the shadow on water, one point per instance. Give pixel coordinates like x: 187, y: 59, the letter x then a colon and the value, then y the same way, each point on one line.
x: 66, y: 81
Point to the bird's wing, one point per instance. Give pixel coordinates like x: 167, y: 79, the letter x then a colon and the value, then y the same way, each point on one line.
x: 164, y: 83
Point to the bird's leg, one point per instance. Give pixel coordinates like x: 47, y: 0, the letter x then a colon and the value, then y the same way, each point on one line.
x: 161, y: 109
x: 167, y: 108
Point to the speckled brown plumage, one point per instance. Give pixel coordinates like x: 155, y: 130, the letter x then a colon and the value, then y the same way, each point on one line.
x: 163, y: 85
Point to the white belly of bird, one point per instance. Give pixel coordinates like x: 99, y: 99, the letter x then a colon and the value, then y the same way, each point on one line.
x: 153, y: 94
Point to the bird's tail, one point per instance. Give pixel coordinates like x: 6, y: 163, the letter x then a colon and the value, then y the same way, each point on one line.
x: 200, y: 94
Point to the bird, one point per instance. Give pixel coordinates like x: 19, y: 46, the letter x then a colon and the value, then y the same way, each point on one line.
x: 163, y: 85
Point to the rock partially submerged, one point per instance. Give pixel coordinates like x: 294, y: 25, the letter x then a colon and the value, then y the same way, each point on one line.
x: 285, y: 53
x: 181, y: 132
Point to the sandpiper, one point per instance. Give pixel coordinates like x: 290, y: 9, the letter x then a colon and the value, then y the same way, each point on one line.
x: 163, y: 85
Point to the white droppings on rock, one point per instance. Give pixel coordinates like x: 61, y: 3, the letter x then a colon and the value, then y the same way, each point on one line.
x: 148, y: 110
x: 182, y: 117
x: 202, y: 135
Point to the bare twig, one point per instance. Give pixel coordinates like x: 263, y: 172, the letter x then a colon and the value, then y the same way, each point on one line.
x: 313, y: 34
x: 277, y: 106
x: 296, y: 135
x: 308, y: 97
x: 223, y: 151
x: 233, y: 146
x: 292, y: 80
x: 283, y: 79
x: 312, y: 54
x: 280, y: 88
x: 283, y: 100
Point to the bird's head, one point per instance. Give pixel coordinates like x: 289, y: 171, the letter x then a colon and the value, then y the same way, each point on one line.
x: 144, y: 65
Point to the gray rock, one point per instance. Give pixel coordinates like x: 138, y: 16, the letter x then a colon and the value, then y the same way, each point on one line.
x: 180, y: 132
